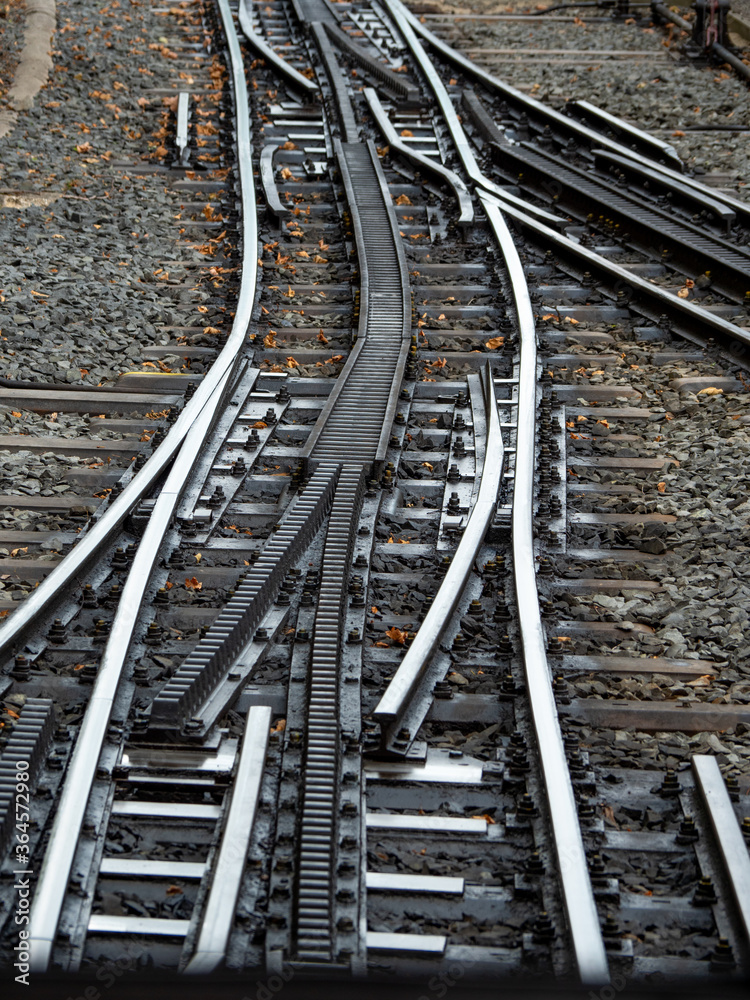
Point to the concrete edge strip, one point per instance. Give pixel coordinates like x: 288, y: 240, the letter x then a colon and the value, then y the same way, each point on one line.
x: 35, y: 65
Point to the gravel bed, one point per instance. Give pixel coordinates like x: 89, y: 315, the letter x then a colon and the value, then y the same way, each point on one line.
x: 80, y: 276
x: 11, y: 41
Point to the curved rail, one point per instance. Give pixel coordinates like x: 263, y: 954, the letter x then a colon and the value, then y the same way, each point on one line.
x: 678, y: 309
x: 55, y: 872
x: 265, y: 51
x: 578, y: 895
x: 460, y: 139
x: 551, y: 115
x: 393, y: 706
x: 57, y: 584
x: 437, y: 170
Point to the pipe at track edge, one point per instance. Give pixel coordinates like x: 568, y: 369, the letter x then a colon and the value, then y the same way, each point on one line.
x: 577, y: 891
x: 57, y: 584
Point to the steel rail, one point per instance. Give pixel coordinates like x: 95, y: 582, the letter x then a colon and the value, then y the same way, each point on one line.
x: 577, y: 891
x: 226, y: 877
x: 551, y: 115
x: 696, y: 315
x: 585, y: 195
x: 460, y: 139
x: 732, y: 846
x: 59, y: 581
x: 637, y: 135
x: 66, y: 827
x: 644, y: 170
x: 430, y: 166
x: 404, y: 683
x: 265, y: 51
x: 55, y: 872
x: 532, y: 160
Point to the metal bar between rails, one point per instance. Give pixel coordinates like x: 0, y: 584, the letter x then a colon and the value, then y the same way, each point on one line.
x: 218, y: 915
x: 578, y: 894
x: 181, y: 138
x: 732, y: 846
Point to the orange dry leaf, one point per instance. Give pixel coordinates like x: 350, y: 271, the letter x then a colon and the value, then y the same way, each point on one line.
x: 374, y: 610
x: 402, y: 199
x: 397, y: 635
x: 192, y: 583
x: 322, y: 337
x: 406, y: 132
x: 427, y: 465
x: 486, y: 817
x: 174, y: 890
x: 494, y: 342
x: 270, y: 339
x: 260, y: 424
x: 279, y: 727
x: 661, y: 487
x: 383, y: 645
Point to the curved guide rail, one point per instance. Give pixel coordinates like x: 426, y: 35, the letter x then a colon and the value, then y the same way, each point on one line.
x: 437, y: 170
x: 588, y: 944
x: 393, y: 707
x: 270, y: 55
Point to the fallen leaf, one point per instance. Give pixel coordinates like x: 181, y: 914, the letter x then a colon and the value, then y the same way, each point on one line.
x: 486, y: 817
x: 710, y: 391
x: 494, y: 342
x: 609, y: 816
x: 397, y: 635
x: 661, y: 487
x: 192, y: 583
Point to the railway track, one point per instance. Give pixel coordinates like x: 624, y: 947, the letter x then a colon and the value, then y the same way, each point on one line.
x: 331, y: 683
